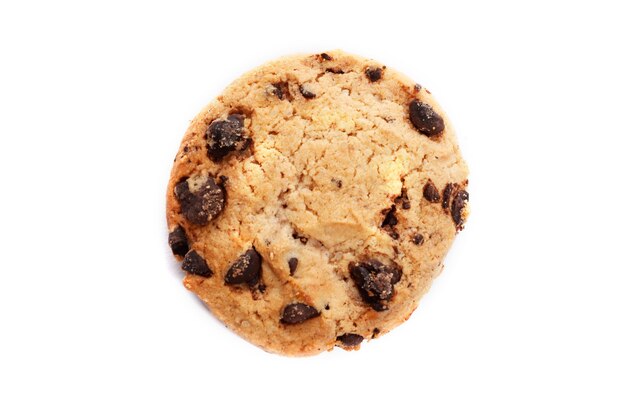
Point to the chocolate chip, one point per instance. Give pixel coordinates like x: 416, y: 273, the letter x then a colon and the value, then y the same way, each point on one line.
x: 375, y: 332
x: 425, y: 119
x: 417, y: 88
x: 225, y: 136
x: 337, y: 182
x: 278, y: 91
x: 177, y: 240
x: 195, y: 264
x: 375, y: 281
x: 418, y: 239
x: 389, y: 222
x: 350, y: 339
x: 306, y: 93
x: 281, y: 90
x: 390, y: 217
x: 296, y: 313
x: 448, y: 194
x: 326, y: 57
x: 458, y: 204
x: 293, y: 264
x: 334, y: 70
x: 403, y: 200
x: 431, y: 193
x: 246, y: 269
x: 373, y: 74
x: 200, y: 200
x: 303, y: 239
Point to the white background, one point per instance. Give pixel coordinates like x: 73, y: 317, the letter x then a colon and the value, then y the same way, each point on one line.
x: 528, y: 317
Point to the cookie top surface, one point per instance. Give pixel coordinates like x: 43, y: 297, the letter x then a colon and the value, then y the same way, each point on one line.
x: 312, y: 203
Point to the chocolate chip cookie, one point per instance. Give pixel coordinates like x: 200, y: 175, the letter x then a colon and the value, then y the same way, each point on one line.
x: 313, y: 202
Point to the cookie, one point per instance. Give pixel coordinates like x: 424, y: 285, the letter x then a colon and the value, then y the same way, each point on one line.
x: 313, y: 202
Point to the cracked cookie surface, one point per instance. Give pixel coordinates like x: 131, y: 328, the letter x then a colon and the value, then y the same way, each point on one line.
x: 314, y: 200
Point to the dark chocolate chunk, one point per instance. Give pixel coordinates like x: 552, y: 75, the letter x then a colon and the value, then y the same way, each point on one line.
x: 418, y: 239
x: 281, y: 90
x: 373, y: 74
x: 306, y: 93
x: 326, y: 57
x: 293, y: 264
x: 425, y: 119
x: 303, y: 239
x: 246, y: 269
x: 350, y: 339
x: 458, y: 204
x: 297, y: 313
x: 389, y: 222
x: 334, y: 70
x: 390, y: 217
x: 177, y: 240
x: 431, y: 193
x: 403, y: 200
x: 375, y: 332
x: 204, y: 203
x: 195, y: 264
x: 225, y: 136
x: 448, y: 194
x: 278, y: 92
x: 375, y: 282
x: 337, y: 182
